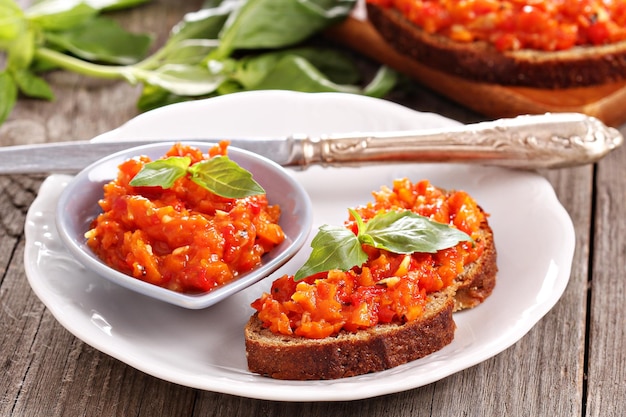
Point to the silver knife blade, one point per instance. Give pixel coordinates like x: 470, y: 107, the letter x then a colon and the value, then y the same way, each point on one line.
x: 71, y: 157
x: 526, y: 142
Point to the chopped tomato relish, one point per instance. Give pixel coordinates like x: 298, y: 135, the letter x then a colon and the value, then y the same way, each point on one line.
x: 388, y: 287
x: 519, y: 24
x: 184, y: 238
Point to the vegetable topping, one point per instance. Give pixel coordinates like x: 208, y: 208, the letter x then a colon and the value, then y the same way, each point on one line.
x: 519, y: 24
x: 188, y: 222
x: 386, y: 283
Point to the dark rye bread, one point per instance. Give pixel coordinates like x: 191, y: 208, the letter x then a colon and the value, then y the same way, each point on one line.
x: 479, y: 61
x: 349, y: 354
x: 382, y: 347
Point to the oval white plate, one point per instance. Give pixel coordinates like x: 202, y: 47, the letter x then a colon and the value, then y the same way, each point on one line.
x: 204, y: 348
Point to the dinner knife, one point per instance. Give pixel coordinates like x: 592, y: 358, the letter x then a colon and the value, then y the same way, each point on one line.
x: 551, y: 140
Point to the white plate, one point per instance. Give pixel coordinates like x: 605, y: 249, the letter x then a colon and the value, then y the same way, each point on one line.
x: 204, y: 348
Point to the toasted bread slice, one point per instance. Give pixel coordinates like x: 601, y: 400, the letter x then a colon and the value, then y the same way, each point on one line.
x: 479, y: 61
x: 381, y: 347
x: 348, y: 354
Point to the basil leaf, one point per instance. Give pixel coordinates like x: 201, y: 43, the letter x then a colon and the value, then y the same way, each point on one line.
x: 32, y: 85
x: 111, y: 5
x: 334, y: 247
x: 60, y: 14
x: 184, y: 80
x: 225, y: 178
x: 252, y: 69
x: 334, y: 64
x: 203, y: 24
x: 229, y: 87
x: 22, y: 49
x: 187, y: 51
x: 278, y: 23
x: 102, y: 40
x: 8, y: 95
x: 407, y: 232
x: 297, y: 74
x: 162, y: 172
x: 404, y: 232
x: 153, y: 97
x: 49, y: 7
x: 382, y: 83
x: 11, y: 20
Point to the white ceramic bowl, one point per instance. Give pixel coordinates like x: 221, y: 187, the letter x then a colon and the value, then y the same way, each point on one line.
x: 78, y: 206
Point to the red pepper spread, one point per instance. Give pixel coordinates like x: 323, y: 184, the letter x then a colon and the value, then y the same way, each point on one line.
x: 388, y: 287
x: 519, y: 24
x: 184, y: 238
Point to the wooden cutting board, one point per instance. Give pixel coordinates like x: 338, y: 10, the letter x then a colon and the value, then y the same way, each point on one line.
x: 606, y: 102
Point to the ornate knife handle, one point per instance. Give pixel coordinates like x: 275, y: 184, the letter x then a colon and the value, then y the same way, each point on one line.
x: 529, y: 142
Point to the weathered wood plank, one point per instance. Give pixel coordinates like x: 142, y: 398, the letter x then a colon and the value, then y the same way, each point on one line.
x: 20, y: 310
x: 607, y: 333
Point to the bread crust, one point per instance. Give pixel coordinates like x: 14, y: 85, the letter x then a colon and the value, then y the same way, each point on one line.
x: 479, y: 61
x: 479, y: 279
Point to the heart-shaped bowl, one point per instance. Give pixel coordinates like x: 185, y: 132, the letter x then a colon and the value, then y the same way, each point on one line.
x: 78, y: 207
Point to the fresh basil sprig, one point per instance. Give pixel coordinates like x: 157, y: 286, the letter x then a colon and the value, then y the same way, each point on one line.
x: 225, y: 47
x: 404, y: 232
x: 220, y: 175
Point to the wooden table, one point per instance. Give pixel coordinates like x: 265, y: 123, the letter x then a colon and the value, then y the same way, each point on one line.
x: 572, y: 363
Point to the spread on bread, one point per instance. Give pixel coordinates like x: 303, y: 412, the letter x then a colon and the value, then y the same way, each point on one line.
x: 514, y: 24
x: 389, y: 310
x: 544, y: 44
x: 182, y: 237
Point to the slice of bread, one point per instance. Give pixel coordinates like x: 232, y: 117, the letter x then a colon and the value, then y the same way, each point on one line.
x: 479, y: 61
x: 381, y: 347
x: 349, y: 354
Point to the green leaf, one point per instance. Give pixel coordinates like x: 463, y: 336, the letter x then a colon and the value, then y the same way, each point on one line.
x: 110, y: 5
x: 60, y: 14
x: 383, y: 82
x: 403, y: 232
x: 162, y: 172
x: 21, y: 50
x: 55, y: 7
x: 102, y: 40
x: 278, y: 23
x: 153, y: 97
x: 297, y: 74
x: 188, y: 52
x: 406, y: 232
x: 224, y: 177
x: 11, y: 20
x: 183, y: 80
x: 333, y: 63
x: 203, y: 24
x: 220, y: 175
x: 252, y: 69
x: 334, y: 247
x: 229, y: 87
x: 32, y: 85
x: 8, y: 95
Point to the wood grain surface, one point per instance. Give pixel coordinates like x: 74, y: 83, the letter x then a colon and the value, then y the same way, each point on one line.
x: 572, y: 363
